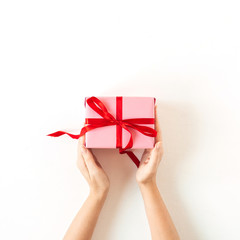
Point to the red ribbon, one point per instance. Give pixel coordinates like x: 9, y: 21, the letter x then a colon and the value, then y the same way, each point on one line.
x: 108, y: 120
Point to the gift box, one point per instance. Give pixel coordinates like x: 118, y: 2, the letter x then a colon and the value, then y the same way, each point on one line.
x: 121, y: 108
x: 118, y: 122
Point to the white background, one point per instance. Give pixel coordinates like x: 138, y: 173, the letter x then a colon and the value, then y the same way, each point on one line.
x: 184, y: 53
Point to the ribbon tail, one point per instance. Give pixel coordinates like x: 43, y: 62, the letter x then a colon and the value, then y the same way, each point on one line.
x: 76, y: 136
x: 60, y: 133
x: 132, y: 156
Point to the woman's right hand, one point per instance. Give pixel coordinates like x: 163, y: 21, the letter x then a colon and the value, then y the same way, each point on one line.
x: 92, y: 170
x: 151, y: 158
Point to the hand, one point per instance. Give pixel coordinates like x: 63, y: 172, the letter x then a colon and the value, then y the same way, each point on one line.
x: 92, y: 170
x: 151, y: 158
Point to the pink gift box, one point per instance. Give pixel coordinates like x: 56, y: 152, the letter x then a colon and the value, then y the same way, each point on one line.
x: 132, y: 107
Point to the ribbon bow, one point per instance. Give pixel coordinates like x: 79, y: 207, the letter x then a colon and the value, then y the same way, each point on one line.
x: 108, y: 120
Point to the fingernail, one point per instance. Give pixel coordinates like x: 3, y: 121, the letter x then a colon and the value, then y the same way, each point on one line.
x: 157, y: 145
x: 83, y: 149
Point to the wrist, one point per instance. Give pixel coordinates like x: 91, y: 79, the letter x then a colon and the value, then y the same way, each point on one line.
x: 148, y: 183
x: 99, y: 193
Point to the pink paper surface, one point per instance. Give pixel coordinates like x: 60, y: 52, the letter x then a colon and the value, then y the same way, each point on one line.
x: 133, y: 107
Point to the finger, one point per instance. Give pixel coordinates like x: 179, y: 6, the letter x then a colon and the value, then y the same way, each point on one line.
x: 96, y: 161
x: 159, y: 150
x: 81, y: 140
x: 82, y: 166
x: 144, y: 157
x: 155, y: 155
x: 80, y: 160
x: 88, y: 158
x: 157, y: 127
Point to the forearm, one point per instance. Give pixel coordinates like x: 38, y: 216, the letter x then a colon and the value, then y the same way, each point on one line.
x: 160, y: 222
x: 83, y: 224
